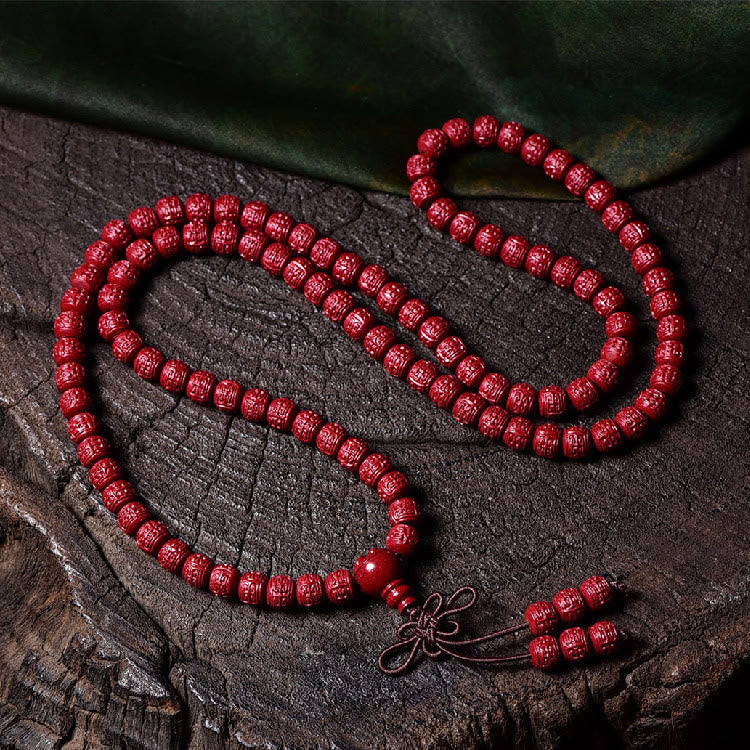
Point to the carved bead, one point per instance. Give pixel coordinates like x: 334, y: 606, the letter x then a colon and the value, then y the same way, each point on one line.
x: 274, y: 258
x: 605, y: 638
x: 340, y: 587
x: 445, y: 390
x: 124, y: 274
x: 653, y: 403
x: 228, y: 396
x: 372, y: 279
x: 225, y: 238
x: 422, y: 374
x: 539, y: 261
x: 117, y: 234
x: 330, y: 438
x: 489, y: 240
x: 575, y: 645
x: 622, y: 324
x: 100, y: 254
x: 471, y: 370
x: 88, y: 278
x: 542, y: 618
x: 486, y: 131
x: 324, y: 253
x: 514, y: 250
x: 464, y: 227
x: 600, y: 195
x: 297, y: 271
x: 352, y: 452
x: 279, y: 226
x: 196, y: 570
x: 302, y: 238
x: 196, y: 237
x: 174, y: 376
x: 632, y: 422
x: 665, y: 303
x: 645, y: 257
x: 148, y: 363
x: 375, y: 570
x: 74, y: 401
x: 378, y: 341
x: 545, y: 653
x: 565, y: 271
x: 511, y: 137
x: 424, y: 191
x: 373, y: 468
x: 619, y: 351
x: 223, y: 581
x: 93, y: 449
x: 557, y: 163
x: 419, y: 165
x: 576, y: 442
x: 254, y: 215
x: 493, y: 422
x: 142, y: 254
x: 441, y: 212
x: 547, y: 440
x: 251, y: 588
x: 281, y: 413
x: 306, y: 426
x: 666, y: 378
x: 280, y: 592
x: 170, y: 211
x: 199, y: 207
x: 450, y: 351
x: 606, y: 435
x: 172, y: 555
x: 672, y: 327
x: 132, y: 516
x: 70, y: 375
x: 104, y: 472
x: 318, y: 287
x: 392, y: 297
x: 535, y: 148
x: 570, y: 605
x: 151, y: 536
x: 69, y: 350
x: 609, y: 300
x: 398, y: 360
x: 78, y: 300
x: 347, y: 268
x: 83, y: 425
x: 670, y: 352
x: 112, y: 297
x: 616, y: 215
x: 433, y: 331
x: 468, y: 408
x: 200, y: 387
x: 227, y: 208
x: 404, y: 510
x: 494, y: 388
x: 167, y: 241
x: 459, y: 132
x: 358, y: 322
x: 433, y: 143
x: 657, y: 280
x: 255, y: 403
x: 393, y: 486
x: 111, y: 323
x: 553, y: 401
x: 402, y: 539
x: 522, y: 399
x: 579, y: 178
x: 587, y: 284
x: 117, y: 494
x: 597, y: 593
x: 633, y: 234
x: 583, y: 394
x: 604, y: 375
x: 518, y: 434
x: 252, y: 245
x: 310, y: 591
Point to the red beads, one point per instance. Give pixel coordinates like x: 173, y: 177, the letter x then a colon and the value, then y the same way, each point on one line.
x: 196, y: 570
x: 223, y: 581
x: 310, y: 591
x: 545, y: 652
x: 375, y: 570
x: 542, y: 618
x: 280, y: 592
x: 340, y: 587
x: 251, y: 588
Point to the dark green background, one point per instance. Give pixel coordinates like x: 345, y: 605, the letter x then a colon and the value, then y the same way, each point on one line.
x: 340, y: 90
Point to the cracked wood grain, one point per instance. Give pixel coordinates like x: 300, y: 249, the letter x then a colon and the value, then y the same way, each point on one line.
x: 136, y: 660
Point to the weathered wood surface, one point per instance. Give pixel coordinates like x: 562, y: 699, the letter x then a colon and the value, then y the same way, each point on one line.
x: 100, y: 647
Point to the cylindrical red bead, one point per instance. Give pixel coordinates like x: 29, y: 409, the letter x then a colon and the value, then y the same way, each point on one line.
x: 392, y: 296
x: 420, y: 165
x: 631, y: 422
x: 514, y: 250
x: 522, y: 399
x: 404, y: 510
x: 196, y: 570
x: 324, y: 253
x: 576, y: 442
x: 445, y: 390
x: 450, y: 351
x: 223, y: 581
x: 251, y: 588
x: 167, y: 241
x: 69, y: 350
x: 302, y: 238
x: 604, y: 375
x: 402, y: 539
x: 464, y: 227
x: 88, y: 278
x: 622, y: 324
x: 306, y: 425
x: 132, y: 516
x: 330, y: 438
x: 352, y: 452
x: 424, y: 191
x: 347, y: 268
x: 124, y: 274
x: 547, y: 441
x: 126, y: 345
x: 539, y: 261
x: 670, y: 352
x: 373, y: 468
x: 74, y: 401
x: 433, y: 331
x: 252, y: 245
x: 310, y: 590
x: 172, y: 555
x: 433, y: 143
x: 583, y: 394
x: 470, y: 370
x: 616, y: 215
x: 225, y: 238
x: 605, y: 638
x: 422, y: 374
x: 653, y: 403
x: 392, y: 486
x: 535, y: 148
x: 117, y: 494
x: 557, y: 163
x: 281, y: 413
x: 78, y: 300
x: 93, y: 449
x: 196, y: 237
x: 82, y: 426
x: 570, y: 605
x: 104, y: 472
x: 542, y: 618
x: 600, y: 195
x: 459, y: 132
x: 486, y: 131
x: 340, y: 587
x: 609, y: 300
x: 117, y: 234
x: 371, y: 279
x: 606, y: 435
x: 518, y: 434
x: 100, y: 254
x: 510, y: 138
x: 672, y: 327
x: 112, y: 297
x: 598, y: 593
x: 378, y: 341
x: 493, y: 422
x: 553, y: 401
x: 170, y: 211
x: 633, y: 234
x: 489, y: 240
x: 318, y: 287
x: 70, y: 375
x: 279, y: 226
x: 174, y: 376
x: 200, y: 387
x: 587, y: 284
x: 228, y: 396
x: 199, y: 207
x: 495, y: 388
x: 297, y: 271
x: 619, y: 351
x: 666, y: 378
x: 255, y: 215
x: 111, y: 323
x: 142, y: 254
x: 280, y: 592
x: 545, y: 652
x: 398, y: 360
x: 70, y: 325
x: 441, y: 212
x: 665, y: 303
x: 148, y: 363
x: 227, y: 208
x: 151, y: 536
x: 275, y: 257
x: 645, y: 257
x: 575, y: 645
x: 579, y: 178
x: 468, y: 408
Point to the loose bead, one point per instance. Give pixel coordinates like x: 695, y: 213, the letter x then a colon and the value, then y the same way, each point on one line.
x: 275, y: 257
x: 393, y: 486
x: 123, y: 273
x: 306, y: 425
x: 666, y: 378
x: 665, y: 303
x: 302, y: 238
x: 227, y: 208
x: 88, y: 278
x: 111, y: 323
x: 340, y: 587
x: 583, y: 394
x: 330, y: 438
x: 196, y: 570
x: 606, y: 435
x: 402, y: 539
x: 375, y: 570
x: 605, y: 638
x: 645, y: 257
x: 175, y: 375
x: 600, y: 195
x: 74, y: 401
x: 670, y: 352
x: 619, y: 351
x: 151, y: 536
x: 280, y: 592
x: 553, y: 401
x: 255, y: 404
x: 468, y: 408
x: 486, y: 131
x: 118, y: 494
x: 281, y: 413
x: 404, y: 510
x: 609, y: 300
x: 324, y: 253
x: 297, y: 271
x: 621, y: 324
x: 172, y: 555
x: 535, y: 148
x: 420, y: 165
x: 83, y: 425
x: 132, y: 516
x: 70, y: 375
x: 310, y: 591
x: 604, y: 375
x: 318, y: 287
x: 522, y: 399
x: 378, y: 341
x: 459, y: 132
x: 445, y: 390
x: 347, y: 268
x: 199, y: 207
x: 68, y: 350
x: 631, y: 422
x: 148, y: 363
x: 570, y: 605
x: 76, y: 300
x: 117, y: 234
x: 576, y: 442
x: 398, y: 360
x: 225, y: 238
x: 200, y: 387
x: 142, y: 254
x: 100, y: 254
x: 224, y: 580
x: 338, y: 304
x: 433, y: 143
x: 542, y: 618
x: 450, y: 351
x: 657, y: 280
x: 254, y: 215
x: 494, y: 388
x: 228, y: 396
x: 539, y: 261
x: 351, y: 453
x: 392, y: 297
x: 372, y: 279
x: 633, y: 234
x: 545, y: 652
x: 653, y: 403
x: 514, y: 249
x: 672, y: 327
x: 493, y: 422
x: 424, y: 191
x: 433, y: 331
x: 597, y: 593
x: 170, y: 211
x: 547, y: 440
x: 511, y: 137
x: 579, y: 178
x: 373, y: 468
x: 252, y: 244
x: 587, y: 284
x: 251, y: 588
x: 441, y: 212
x: 518, y: 434
x: 616, y: 215
x: 575, y: 645
x: 557, y: 163
x: 489, y: 241
x: 196, y: 238
x: 470, y: 370
x: 93, y: 449
x: 422, y: 374
x: 112, y: 297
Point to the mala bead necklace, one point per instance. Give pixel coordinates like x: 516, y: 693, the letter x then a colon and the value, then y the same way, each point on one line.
x: 453, y: 379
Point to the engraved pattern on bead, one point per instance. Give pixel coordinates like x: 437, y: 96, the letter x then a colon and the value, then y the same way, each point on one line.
x: 665, y: 303
x: 151, y: 536
x: 124, y: 274
x: 70, y: 375
x: 619, y: 351
x: 495, y: 388
x: 464, y: 227
x: 306, y: 425
x: 511, y: 137
x: 251, y: 588
x: 118, y: 494
x: 402, y: 539
x: 309, y: 590
x: 514, y: 249
x: 587, y: 284
x: 279, y: 226
x: 117, y: 234
x: 653, y: 403
x: 225, y: 238
x: 318, y: 287
x: 539, y: 261
x: 471, y: 370
x: 347, y: 268
x: 609, y: 300
x: 616, y: 215
x: 522, y: 399
x: 557, y: 163
x: 518, y: 434
x: 575, y: 645
x: 223, y: 581
x: 667, y: 379
x: 450, y: 351
x: 83, y: 425
x: 132, y: 516
x: 600, y: 195
x: 493, y: 422
x: 69, y: 325
x: 633, y: 234
x: 393, y: 486
x: 604, y: 375
x: 545, y: 652
x: 330, y: 438
x: 433, y: 331
x: 404, y: 510
x: 280, y: 592
x: 174, y: 376
x: 579, y: 178
x: 79, y: 300
x: 111, y: 323
x: 672, y: 327
x: 274, y: 258
x: 252, y: 245
x: 173, y: 554
x: 200, y: 387
x: 424, y: 191
x: 297, y: 271
x: 100, y: 254
x: 621, y: 324
x: 489, y: 240
x: 281, y: 413
x: 645, y: 257
x: 583, y: 394
x: 372, y: 279
x: 148, y: 363
x: 142, y: 254
x: 196, y: 570
x: 199, y: 207
x: 441, y: 213
x: 338, y: 304
x: 340, y: 587
x: 302, y: 238
x: 74, y: 401
x: 392, y: 297
x: 105, y: 472
x: 459, y: 132
x: 196, y: 238
x: 486, y: 131
x: 670, y: 352
x: 88, y: 278
x: 227, y: 208
x: 373, y: 468
x: 112, y: 297
x: 398, y: 360
x: 576, y: 442
x: 597, y: 593
x: 570, y: 605
x: 419, y: 165
x: 535, y: 148
x: 324, y: 253
x: 468, y: 408
x: 167, y: 241
x: 605, y: 638
x: 228, y: 396
x: 433, y: 143
x: 631, y: 422
x: 351, y: 453
x: 553, y: 401
x: 606, y: 435
x: 170, y: 211
x: 378, y: 341
x: 93, y: 449
x: 547, y: 440
x: 445, y: 390
x: 254, y: 215
x: 68, y: 350
x: 542, y: 618
x: 422, y: 374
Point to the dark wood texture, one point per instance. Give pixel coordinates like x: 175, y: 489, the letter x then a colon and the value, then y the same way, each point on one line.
x: 100, y: 647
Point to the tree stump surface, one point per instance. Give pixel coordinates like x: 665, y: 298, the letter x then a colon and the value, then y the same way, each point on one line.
x: 101, y: 647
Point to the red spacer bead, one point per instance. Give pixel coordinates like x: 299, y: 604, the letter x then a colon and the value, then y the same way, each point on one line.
x: 200, y: 387
x: 542, y: 618
x: 310, y: 590
x: 93, y: 449
x: 511, y: 137
x: 587, y: 284
x: 670, y: 352
x: 225, y: 238
x: 486, y: 131
x: 420, y: 165
x: 151, y: 536
x: 111, y: 323
x: 223, y: 581
x: 77, y: 300
x: 297, y: 271
x: 280, y: 592
x: 117, y: 494
x: 604, y: 375
x: 518, y: 434
x: 100, y: 254
x: 142, y: 254
x: 196, y: 570
x: 83, y: 425
x: 579, y: 178
x: 373, y: 468
x: 347, y: 268
x: 424, y: 191
x: 645, y: 257
x: 539, y: 261
x: 199, y: 207
x: 306, y: 425
x: 653, y: 403
x: 450, y: 351
x: 404, y: 510
x: 112, y: 297
x: 132, y: 516
x: 148, y: 363
x: 170, y: 211
x: 124, y: 274
x: 117, y: 234
x: 606, y: 435
x: 605, y: 638
x: 70, y: 325
x: 378, y: 341
x: 464, y: 227
x: 104, y: 472
x: 459, y: 132
x: 275, y: 257
x: 422, y: 374
x: 375, y: 570
x: 665, y: 303
x: 352, y: 452
x: 445, y: 390
x: 616, y: 215
x: 609, y: 300
x: 514, y: 250
x: 330, y: 438
x: 570, y: 605
x: 493, y: 422
x: 535, y: 148
x: 393, y: 486
x: 228, y: 396
x: 318, y: 287
x: 70, y: 375
x: 489, y: 240
x: 522, y: 399
x: 251, y: 588
x: 324, y: 253
x: 441, y: 212
x: 575, y: 645
x: 227, y: 208
x: 468, y: 408
x: 340, y: 587
x: 279, y: 226
x: 69, y: 350
x: 583, y: 394
x: 545, y: 652
x: 553, y: 401
x: 576, y: 442
x: 433, y: 331
x: 398, y: 360
x: 600, y: 195
x: 392, y: 297
x: 196, y: 237
x: 672, y: 327
x: 402, y: 539
x: 281, y: 413
x: 74, y: 401
x: 619, y: 351
x: 174, y: 376
x: 597, y: 593
x: 173, y: 554
x: 433, y: 143
x: 302, y: 238
x: 557, y: 163
x: 167, y: 241
x: 631, y: 422
x: 621, y: 324
x: 633, y: 234
x: 338, y: 304
x: 254, y: 215
x: 471, y: 370
x: 495, y: 388
x: 372, y: 279
x: 547, y: 440
x: 252, y: 245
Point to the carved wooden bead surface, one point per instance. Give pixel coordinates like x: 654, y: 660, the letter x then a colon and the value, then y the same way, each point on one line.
x: 672, y: 327
x: 420, y: 165
x: 535, y: 148
x: 124, y: 274
x: 665, y: 303
x: 489, y: 240
x: 279, y: 226
x: 297, y: 272
x: 495, y: 387
x: 441, y: 213
x: 373, y: 468
x: 471, y: 370
x: 579, y: 178
x: 468, y: 408
x: 70, y: 325
x: 174, y: 376
x: 464, y: 227
x: 117, y: 234
x: 485, y: 131
x: 545, y: 652
x: 518, y: 434
x: 606, y: 435
x: 645, y: 257
x: 196, y: 570
x: 575, y: 645
x: 393, y: 486
x: 609, y: 300
x: 666, y: 378
x: 392, y: 296
x: 632, y: 422
x: 151, y: 536
x: 83, y: 425
x: 100, y: 254
x: 600, y: 195
x: 372, y: 279
x: 414, y: 312
x: 557, y: 163
x: 605, y: 375
x: 275, y: 257
x: 424, y: 191
x: 310, y: 591
x: 70, y: 375
x: 493, y: 421
x: 511, y: 137
x: 255, y: 404
x: 227, y: 208
x: 251, y: 588
x: 587, y: 284
x: 433, y: 331
x: 254, y: 215
x: 633, y: 234
x: 459, y: 132
x: 78, y: 300
x: 142, y: 254
x: 570, y: 605
x: 112, y: 297
x: 616, y: 215
x: 618, y: 350
x: 306, y: 425
x: 132, y: 516
x: 378, y: 341
x: 74, y: 401
x: 576, y: 442
x: 347, y: 268
x: 622, y: 324
x: 196, y: 237
x: 118, y: 494
x: 340, y: 587
x: 281, y: 413
x: 670, y: 352
x: 93, y: 449
x: 200, y: 387
x: 564, y: 271
x: 111, y: 323
x: 450, y: 351
x: 542, y: 618
x: 398, y: 360
x: 167, y: 241
x: 252, y: 245
x: 539, y: 261
x: 104, y: 472
x: 583, y: 394
x: 225, y: 238
x: 88, y: 278
x: 223, y: 581
x: 433, y: 143
x: 68, y: 349
x: 280, y: 592
x: 325, y: 252
x: 318, y: 287
x: 148, y: 363
x: 653, y: 403
x: 173, y: 554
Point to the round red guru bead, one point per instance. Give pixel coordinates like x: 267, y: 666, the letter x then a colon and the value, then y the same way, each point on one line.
x: 616, y: 215
x: 535, y: 148
x: 404, y: 510
x: 111, y: 323
x: 100, y: 254
x: 371, y: 279
x: 224, y: 581
x: 645, y: 257
x: 422, y: 374
x: 132, y: 516
x: 445, y: 390
x: 493, y: 422
x: 657, y: 280
x: 310, y: 590
x: 143, y: 221
x: 420, y: 165
x: 583, y: 394
x: 70, y: 375
x: 522, y: 399
x: 604, y: 375
x: 196, y: 238
x: 424, y: 191
x: 117, y: 494
x: 495, y: 388
x: 148, y: 363
x: 433, y: 143
x: 225, y: 238
x: 633, y: 234
x: 373, y: 468
x: 398, y: 360
x: 255, y: 404
x: 200, y: 387
x: 142, y: 254
x: 70, y: 325
x: 468, y: 408
x: 670, y: 352
x: 324, y: 253
x: 464, y: 227
x: 433, y: 331
x: 117, y: 234
x: 587, y: 284
x: 570, y: 605
x: 510, y: 137
x: 579, y: 178
x: 275, y: 257
x: 199, y: 207
x: 318, y: 287
x: 378, y: 341
x: 227, y: 208
x: 393, y: 486
x: 338, y: 304
x: 302, y: 238
x: 87, y: 277
x: 547, y: 440
x: 170, y: 211
x: 598, y: 593
x: 175, y: 375
x: 539, y: 261
x: 281, y: 413
x: 653, y: 403
x: 251, y: 588
x: 486, y: 131
x: 254, y: 215
x: 600, y: 195
x: 609, y: 300
x: 68, y: 350
x: 152, y: 536
x: 441, y: 213
x: 450, y: 351
x: 621, y: 324
x: 347, y: 268
x: 518, y: 434
x: 172, y: 555
x: 375, y: 570
x: 545, y: 653
x: 666, y: 378
x: 553, y: 401
x: 557, y: 163
x: 83, y: 425
x: 196, y: 570
x: 470, y: 370
x: 542, y: 618
x: 459, y: 132
x: 112, y: 297
x: 605, y: 638
x: 413, y: 314
x: 489, y: 240
x: 123, y: 273
x: 672, y: 327
x: 228, y: 396
x: 330, y: 438
x: 575, y: 645
x: 74, y: 401
x: 576, y: 442
x: 340, y: 587
x: 252, y: 244
x: 392, y: 297
x: 76, y: 300
x: 297, y: 272
x: 93, y: 449
x: 402, y: 539
x: 351, y: 453
x: 619, y: 351
x: 665, y: 303
x: 631, y: 422
x: 514, y: 249
x: 306, y: 425
x: 280, y: 592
